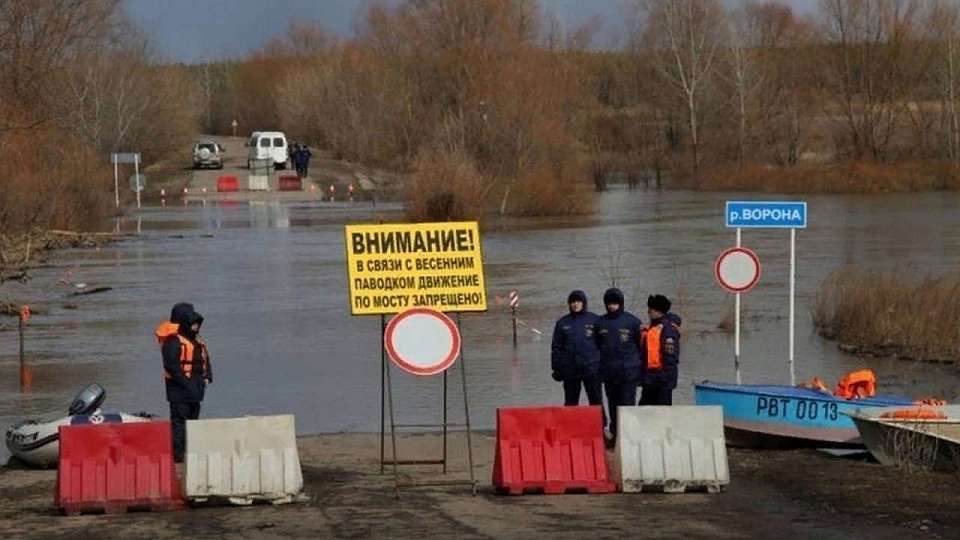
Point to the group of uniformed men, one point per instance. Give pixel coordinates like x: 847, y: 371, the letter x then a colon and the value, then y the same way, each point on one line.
x: 615, y: 353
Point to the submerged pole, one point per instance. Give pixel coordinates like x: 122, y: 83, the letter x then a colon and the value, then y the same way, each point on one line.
x: 26, y: 379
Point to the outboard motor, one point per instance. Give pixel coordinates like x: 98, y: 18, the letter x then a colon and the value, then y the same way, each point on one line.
x: 88, y: 400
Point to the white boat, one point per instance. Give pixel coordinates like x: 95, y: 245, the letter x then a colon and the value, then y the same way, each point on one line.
x: 920, y: 436
x: 36, y: 441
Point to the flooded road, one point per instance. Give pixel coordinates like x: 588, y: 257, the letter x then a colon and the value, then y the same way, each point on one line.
x: 270, y: 278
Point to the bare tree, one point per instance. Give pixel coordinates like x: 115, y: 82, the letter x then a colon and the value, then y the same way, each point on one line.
x: 874, y: 67
x: 944, y: 25
x: 684, y: 36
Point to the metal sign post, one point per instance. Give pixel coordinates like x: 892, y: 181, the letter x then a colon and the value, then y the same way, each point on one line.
x: 736, y: 325
x: 116, y: 182
x: 737, y: 270
x: 392, y: 269
x: 123, y: 157
x: 771, y: 215
x: 136, y: 173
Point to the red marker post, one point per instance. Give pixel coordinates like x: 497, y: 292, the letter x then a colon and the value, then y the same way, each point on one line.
x: 514, y: 302
x: 26, y: 379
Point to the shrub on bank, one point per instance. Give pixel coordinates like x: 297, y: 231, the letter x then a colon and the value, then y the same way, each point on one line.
x: 444, y: 186
x: 891, y: 312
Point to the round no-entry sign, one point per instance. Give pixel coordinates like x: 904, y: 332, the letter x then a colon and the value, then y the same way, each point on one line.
x: 422, y: 341
x: 737, y: 269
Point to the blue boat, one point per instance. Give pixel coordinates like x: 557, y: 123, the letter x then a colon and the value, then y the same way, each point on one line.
x: 781, y: 416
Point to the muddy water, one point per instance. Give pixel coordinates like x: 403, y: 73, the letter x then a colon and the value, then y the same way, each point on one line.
x: 270, y: 279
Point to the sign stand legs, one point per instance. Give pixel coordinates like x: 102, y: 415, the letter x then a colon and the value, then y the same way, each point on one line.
x: 386, y: 391
x: 393, y: 436
x: 383, y: 371
x: 736, y: 327
x: 444, y: 405
x: 466, y: 414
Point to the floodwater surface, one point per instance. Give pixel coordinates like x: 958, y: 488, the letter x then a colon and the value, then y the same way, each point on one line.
x: 270, y: 278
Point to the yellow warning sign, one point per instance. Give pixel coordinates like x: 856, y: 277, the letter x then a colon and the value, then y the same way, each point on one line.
x: 393, y: 267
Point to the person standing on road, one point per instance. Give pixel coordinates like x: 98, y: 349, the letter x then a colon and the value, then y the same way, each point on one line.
x: 660, y: 353
x: 574, y: 354
x: 305, y: 156
x: 292, y: 155
x: 619, y: 337
x: 186, y: 369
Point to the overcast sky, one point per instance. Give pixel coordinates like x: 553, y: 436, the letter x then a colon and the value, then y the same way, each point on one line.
x: 197, y: 30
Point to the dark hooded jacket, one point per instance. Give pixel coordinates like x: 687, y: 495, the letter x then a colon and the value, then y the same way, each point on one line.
x: 181, y: 389
x: 574, y: 353
x: 618, y: 335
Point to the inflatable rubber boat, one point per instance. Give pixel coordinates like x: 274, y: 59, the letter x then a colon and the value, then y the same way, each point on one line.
x: 36, y: 441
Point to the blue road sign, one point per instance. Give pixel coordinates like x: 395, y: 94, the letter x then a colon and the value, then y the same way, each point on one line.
x: 766, y: 214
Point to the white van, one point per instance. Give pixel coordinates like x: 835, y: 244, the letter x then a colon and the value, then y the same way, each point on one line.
x: 268, y: 144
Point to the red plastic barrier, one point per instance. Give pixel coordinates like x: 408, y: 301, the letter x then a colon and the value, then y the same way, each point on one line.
x: 115, y: 467
x: 289, y: 183
x: 551, y: 449
x: 228, y: 183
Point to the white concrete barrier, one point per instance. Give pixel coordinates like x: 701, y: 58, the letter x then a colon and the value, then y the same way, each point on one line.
x: 671, y: 448
x: 258, y: 182
x: 243, y: 459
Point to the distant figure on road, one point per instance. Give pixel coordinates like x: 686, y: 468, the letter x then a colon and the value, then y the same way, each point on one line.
x: 660, y: 352
x: 291, y: 153
x: 574, y: 354
x: 619, y: 339
x: 303, y: 160
x: 186, y: 368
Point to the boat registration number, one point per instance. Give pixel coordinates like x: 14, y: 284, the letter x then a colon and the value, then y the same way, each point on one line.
x: 799, y: 409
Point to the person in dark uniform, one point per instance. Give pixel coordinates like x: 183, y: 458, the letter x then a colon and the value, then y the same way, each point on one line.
x: 574, y: 355
x: 619, y: 337
x: 660, y: 353
x: 186, y: 369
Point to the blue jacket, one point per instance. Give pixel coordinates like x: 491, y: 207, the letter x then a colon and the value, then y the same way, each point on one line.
x: 619, y: 338
x: 574, y: 353
x: 669, y: 353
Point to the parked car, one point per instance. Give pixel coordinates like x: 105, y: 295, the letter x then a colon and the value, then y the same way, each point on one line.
x: 207, y: 154
x: 268, y: 145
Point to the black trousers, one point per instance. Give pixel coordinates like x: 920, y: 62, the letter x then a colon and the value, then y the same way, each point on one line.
x: 656, y: 395
x: 179, y: 414
x: 571, y: 391
x: 619, y: 392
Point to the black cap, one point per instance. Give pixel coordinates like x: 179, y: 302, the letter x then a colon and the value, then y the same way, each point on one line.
x: 658, y: 302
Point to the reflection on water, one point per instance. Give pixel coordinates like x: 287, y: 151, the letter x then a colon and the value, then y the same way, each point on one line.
x: 270, y: 279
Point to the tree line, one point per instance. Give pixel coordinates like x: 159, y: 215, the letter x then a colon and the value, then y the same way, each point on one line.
x: 495, y: 105
x: 79, y: 82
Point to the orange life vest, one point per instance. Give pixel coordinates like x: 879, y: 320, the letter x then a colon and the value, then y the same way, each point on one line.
x: 815, y: 384
x: 857, y: 384
x: 914, y: 414
x: 652, y: 335
x: 652, y: 338
x: 167, y: 330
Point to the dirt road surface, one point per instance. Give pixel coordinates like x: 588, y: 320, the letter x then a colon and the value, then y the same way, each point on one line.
x: 797, y: 494
x: 324, y: 173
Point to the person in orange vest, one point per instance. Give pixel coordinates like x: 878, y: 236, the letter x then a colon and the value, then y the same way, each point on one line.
x: 659, y: 353
x: 186, y: 369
